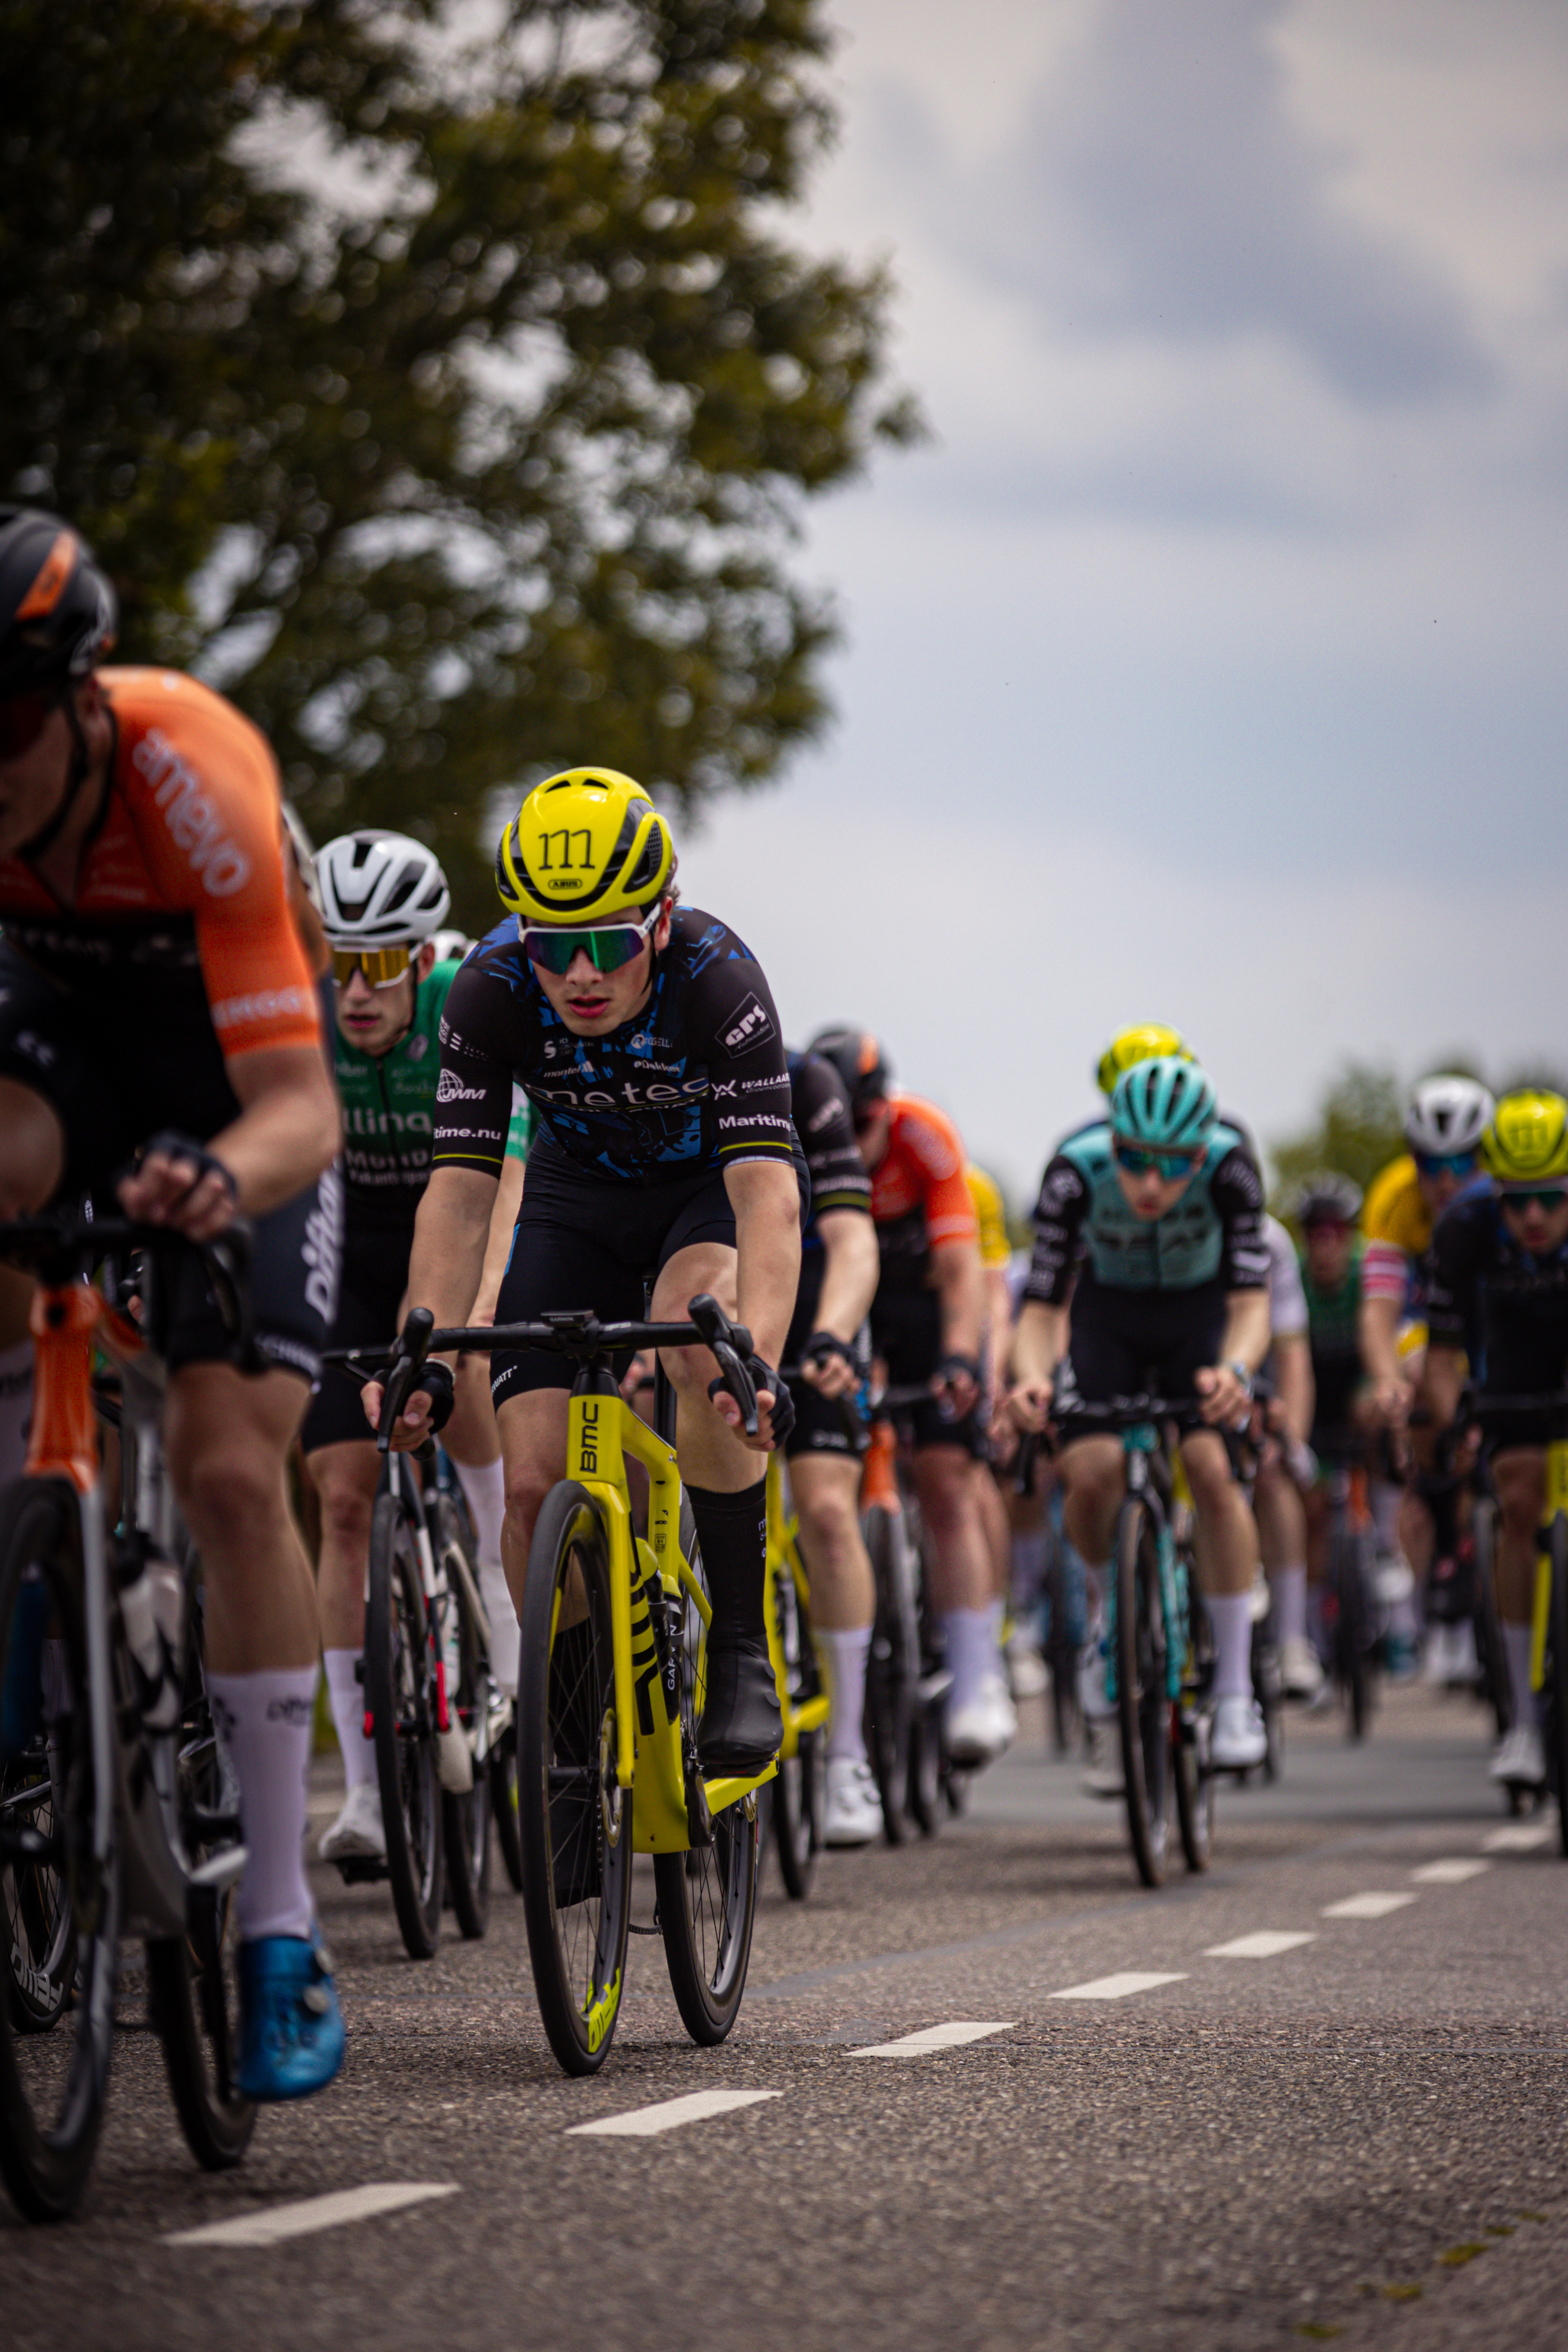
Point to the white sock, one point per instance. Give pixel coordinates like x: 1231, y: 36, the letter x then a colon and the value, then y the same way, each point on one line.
x: 846, y: 1653
x: 15, y: 1408
x: 1290, y: 1603
x: 484, y: 1491
x: 1518, y: 1641
x: 506, y: 1636
x: 971, y: 1652
x: 346, y: 1693
x: 1230, y: 1614
x: 265, y: 1721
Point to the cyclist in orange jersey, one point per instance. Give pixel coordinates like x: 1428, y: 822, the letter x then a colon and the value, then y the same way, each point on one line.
x: 155, y: 995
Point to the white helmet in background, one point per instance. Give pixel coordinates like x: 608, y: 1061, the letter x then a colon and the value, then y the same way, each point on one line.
x: 380, y: 890
x: 451, y: 947
x: 1447, y: 1115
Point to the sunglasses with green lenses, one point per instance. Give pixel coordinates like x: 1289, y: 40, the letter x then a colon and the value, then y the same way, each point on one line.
x: 1171, y: 1164
x: 607, y: 946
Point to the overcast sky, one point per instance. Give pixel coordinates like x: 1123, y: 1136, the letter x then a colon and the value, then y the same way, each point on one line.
x: 1209, y: 664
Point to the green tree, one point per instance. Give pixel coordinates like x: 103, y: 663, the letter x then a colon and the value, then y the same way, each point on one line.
x: 451, y: 401
x: 1358, y: 1128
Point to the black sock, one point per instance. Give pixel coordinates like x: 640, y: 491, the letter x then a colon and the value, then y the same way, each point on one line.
x: 732, y: 1531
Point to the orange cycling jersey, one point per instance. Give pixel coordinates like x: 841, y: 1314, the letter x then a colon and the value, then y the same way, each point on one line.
x: 919, y: 1200
x: 185, y: 867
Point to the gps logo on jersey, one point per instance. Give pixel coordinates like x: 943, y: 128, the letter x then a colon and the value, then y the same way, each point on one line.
x: 267, y: 1004
x: 194, y: 823
x: 450, y: 1088
x: 751, y: 1029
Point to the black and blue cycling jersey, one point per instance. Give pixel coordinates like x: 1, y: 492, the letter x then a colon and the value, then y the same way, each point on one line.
x: 1213, y: 1234
x: 696, y: 1080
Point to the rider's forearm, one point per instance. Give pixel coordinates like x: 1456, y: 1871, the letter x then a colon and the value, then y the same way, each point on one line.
x: 1247, y: 1329
x: 449, y: 1238
x: 289, y: 1128
x: 1377, y: 1329
x: 766, y: 1203
x: 1444, y: 1380
x: 1040, y: 1340
x: 852, y: 1263
x: 961, y: 1287
x: 1296, y: 1387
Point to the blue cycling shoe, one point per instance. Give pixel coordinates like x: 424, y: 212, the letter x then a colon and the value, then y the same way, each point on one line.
x: 291, y: 2037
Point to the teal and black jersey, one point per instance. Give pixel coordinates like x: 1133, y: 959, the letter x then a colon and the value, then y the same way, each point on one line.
x: 1213, y: 1235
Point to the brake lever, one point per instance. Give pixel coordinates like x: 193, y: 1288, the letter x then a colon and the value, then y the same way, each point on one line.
x: 413, y: 1346
x: 738, y: 1383
x: 728, y: 1342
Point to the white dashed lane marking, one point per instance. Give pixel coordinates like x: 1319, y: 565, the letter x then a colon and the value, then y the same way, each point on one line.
x: 273, y: 2223
x: 1264, y: 1944
x: 1452, y: 1872
x: 933, y: 2037
x: 642, y: 2123
x: 1519, y: 1837
x: 1117, y: 1987
x: 1371, y: 1905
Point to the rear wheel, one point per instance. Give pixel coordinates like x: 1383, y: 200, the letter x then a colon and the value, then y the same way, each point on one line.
x: 1489, y: 1647
x: 1143, y: 1705
x: 466, y: 1818
x: 59, y: 1898
x: 400, y: 1689
x: 1350, y: 1567
x: 575, y: 1821
x: 503, y: 1801
x: 1192, y: 1726
x: 797, y: 1788
x: 708, y: 1895
x: 1557, y: 1674
x: 891, y: 1666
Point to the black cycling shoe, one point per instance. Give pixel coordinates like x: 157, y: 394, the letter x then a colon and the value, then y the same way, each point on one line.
x: 740, y: 1726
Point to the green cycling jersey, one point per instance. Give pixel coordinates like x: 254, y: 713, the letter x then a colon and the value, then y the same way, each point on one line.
x: 389, y: 1111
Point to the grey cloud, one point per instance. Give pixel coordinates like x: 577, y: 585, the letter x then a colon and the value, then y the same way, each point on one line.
x: 1163, y: 187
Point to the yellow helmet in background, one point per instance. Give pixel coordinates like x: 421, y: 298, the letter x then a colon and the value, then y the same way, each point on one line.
x: 588, y: 842
x: 1527, y: 1142
x: 1151, y: 1043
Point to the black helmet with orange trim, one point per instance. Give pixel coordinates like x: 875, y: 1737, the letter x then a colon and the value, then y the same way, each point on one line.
x: 859, y: 1058
x: 586, y: 843
x: 57, y: 612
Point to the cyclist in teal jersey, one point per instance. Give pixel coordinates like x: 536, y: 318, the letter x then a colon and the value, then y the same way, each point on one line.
x: 383, y: 897
x: 1151, y: 1272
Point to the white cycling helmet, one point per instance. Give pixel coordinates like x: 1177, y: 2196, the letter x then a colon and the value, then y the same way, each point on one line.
x: 380, y: 890
x: 1447, y: 1115
x: 451, y: 947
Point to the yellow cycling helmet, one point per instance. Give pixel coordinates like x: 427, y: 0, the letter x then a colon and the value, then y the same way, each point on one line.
x: 586, y: 843
x: 1151, y: 1043
x: 1527, y: 1142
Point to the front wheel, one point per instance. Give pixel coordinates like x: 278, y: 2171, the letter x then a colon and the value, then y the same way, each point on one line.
x: 1143, y: 1705
x: 892, y: 1668
x: 1489, y: 1647
x: 1557, y: 1674
x: 59, y: 1894
x: 1191, y: 1729
x: 400, y: 1689
x: 575, y: 1821
x: 708, y: 1895
x: 1349, y: 1581
x: 798, y: 1786
x: 466, y: 1818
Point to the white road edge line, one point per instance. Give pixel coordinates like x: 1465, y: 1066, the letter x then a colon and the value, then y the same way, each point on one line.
x: 1117, y: 1987
x: 1451, y: 1871
x: 1519, y: 1837
x: 643, y: 2123
x: 1367, y: 1906
x: 270, y: 2224
x: 933, y: 2037
x: 1264, y: 1944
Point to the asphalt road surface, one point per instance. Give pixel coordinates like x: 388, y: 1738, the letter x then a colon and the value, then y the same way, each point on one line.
x: 1316, y: 2095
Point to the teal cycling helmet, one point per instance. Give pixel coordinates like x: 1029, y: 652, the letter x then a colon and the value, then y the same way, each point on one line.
x: 1165, y: 1105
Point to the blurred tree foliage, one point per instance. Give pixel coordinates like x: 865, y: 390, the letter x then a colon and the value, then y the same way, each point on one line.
x: 1358, y: 1128
x: 449, y: 400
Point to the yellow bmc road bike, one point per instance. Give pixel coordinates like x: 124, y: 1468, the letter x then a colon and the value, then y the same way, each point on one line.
x: 610, y: 1690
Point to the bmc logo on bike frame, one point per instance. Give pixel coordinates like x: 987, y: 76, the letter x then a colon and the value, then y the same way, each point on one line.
x: 588, y: 1450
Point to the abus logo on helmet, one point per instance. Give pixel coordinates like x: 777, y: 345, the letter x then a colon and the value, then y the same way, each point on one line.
x: 194, y: 823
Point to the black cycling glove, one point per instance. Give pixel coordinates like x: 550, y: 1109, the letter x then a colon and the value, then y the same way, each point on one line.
x: 828, y: 1343
x: 956, y: 1367
x: 185, y: 1147
x: 763, y: 1376
x: 435, y: 1380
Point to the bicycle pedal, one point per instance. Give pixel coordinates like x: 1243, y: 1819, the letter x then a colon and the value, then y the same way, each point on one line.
x: 360, y: 1869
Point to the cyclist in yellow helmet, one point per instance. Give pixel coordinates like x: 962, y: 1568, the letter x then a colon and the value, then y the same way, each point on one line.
x: 646, y: 1038
x: 1498, y: 1273
x: 1147, y: 1042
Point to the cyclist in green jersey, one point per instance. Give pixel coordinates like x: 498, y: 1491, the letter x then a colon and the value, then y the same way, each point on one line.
x: 381, y: 899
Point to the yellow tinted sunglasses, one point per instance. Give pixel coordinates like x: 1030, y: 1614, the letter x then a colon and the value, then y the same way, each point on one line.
x: 382, y: 967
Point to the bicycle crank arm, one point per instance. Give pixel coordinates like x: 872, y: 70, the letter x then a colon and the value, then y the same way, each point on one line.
x: 220, y: 1870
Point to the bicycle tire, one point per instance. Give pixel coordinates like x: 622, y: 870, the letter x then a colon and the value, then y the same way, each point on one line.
x: 1557, y: 1673
x: 400, y: 1691
x: 923, y: 1790
x: 574, y: 1822
x: 53, y: 2084
x: 708, y: 1895
x: 890, y: 1669
x: 1142, y: 1703
x: 797, y: 1787
x: 1061, y: 1657
x: 466, y: 1818
x: 1348, y: 1577
x: 1493, y: 1656
x: 1192, y: 1727
x: 503, y: 1802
